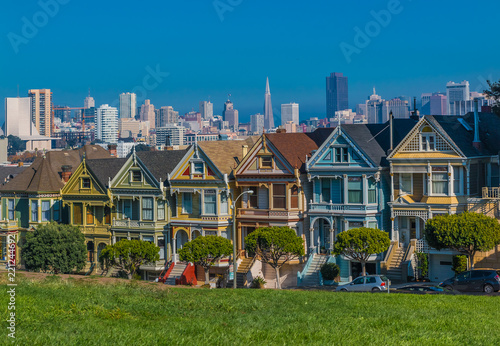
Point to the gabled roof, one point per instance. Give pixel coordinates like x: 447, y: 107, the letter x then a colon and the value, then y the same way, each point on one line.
x: 226, y: 155
x: 161, y: 163
x: 105, y: 169
x: 320, y: 135
x: 8, y: 173
x: 294, y: 147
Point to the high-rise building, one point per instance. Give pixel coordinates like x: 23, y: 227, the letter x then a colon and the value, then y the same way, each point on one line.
x: 257, y: 123
x: 206, y: 110
x: 174, y: 133
x: 148, y: 113
x: 128, y: 105
x: 290, y: 112
x: 89, y: 102
x: 166, y: 115
x: 337, y: 96
x: 106, y: 124
x: 268, y: 108
x: 456, y: 92
x: 230, y: 115
x: 399, y: 108
x: 41, y: 110
x: 63, y: 113
x: 438, y: 104
x: 375, y: 109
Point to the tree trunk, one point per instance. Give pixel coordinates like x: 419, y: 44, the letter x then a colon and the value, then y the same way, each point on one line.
x: 363, y: 268
x: 472, y: 260
x: 207, y: 276
x: 130, y: 275
x: 278, y: 281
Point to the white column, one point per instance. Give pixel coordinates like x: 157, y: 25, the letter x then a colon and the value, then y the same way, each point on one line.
x: 311, y: 239
x: 331, y: 239
x: 346, y: 192
x: 365, y: 189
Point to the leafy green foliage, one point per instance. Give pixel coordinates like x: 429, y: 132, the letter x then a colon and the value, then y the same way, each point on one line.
x: 466, y: 233
x: 494, y: 93
x: 55, y: 248
x: 423, y: 263
x: 206, y: 251
x: 129, y: 255
x: 459, y: 264
x: 258, y: 282
x: 360, y: 243
x: 330, y: 271
x: 275, y: 246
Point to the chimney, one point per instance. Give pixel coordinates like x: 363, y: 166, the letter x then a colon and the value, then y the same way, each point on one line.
x: 168, y: 143
x: 244, y: 151
x: 280, y: 130
x: 66, y: 172
x: 415, y: 115
x: 112, y: 149
x: 391, y: 134
x: 476, y: 143
x: 20, y: 164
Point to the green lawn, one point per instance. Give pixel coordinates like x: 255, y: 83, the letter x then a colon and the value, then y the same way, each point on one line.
x: 74, y: 312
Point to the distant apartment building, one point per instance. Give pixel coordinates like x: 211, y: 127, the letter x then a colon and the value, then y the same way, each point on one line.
x: 456, y: 92
x: 438, y: 104
x: 290, y: 112
x: 425, y: 99
x: 148, y: 113
x: 230, y: 115
x: 337, y: 95
x: 192, y: 120
x: 63, y: 113
x: 289, y: 127
x: 190, y: 138
x: 166, y: 115
x: 398, y: 107
x: 464, y: 107
x: 257, y: 123
x: 106, y: 124
x: 128, y: 105
x: 41, y: 110
x: 131, y: 128
x: 174, y: 133
x: 206, y: 110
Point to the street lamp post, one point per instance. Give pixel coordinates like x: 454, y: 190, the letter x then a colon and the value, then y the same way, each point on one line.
x: 233, y: 207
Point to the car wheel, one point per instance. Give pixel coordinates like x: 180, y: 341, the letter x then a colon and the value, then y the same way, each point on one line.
x: 375, y: 289
x: 449, y: 288
x: 488, y: 288
x: 343, y: 290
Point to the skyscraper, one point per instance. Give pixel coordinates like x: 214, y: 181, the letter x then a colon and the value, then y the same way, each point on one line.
x: 268, y: 108
x: 290, y: 112
x: 231, y: 115
x: 438, y: 104
x: 399, y: 108
x: 257, y: 123
x: 456, y: 92
x: 148, y: 113
x: 337, y: 96
x: 89, y: 102
x: 375, y: 109
x: 106, y: 124
x: 41, y: 110
x: 128, y: 105
x: 206, y: 110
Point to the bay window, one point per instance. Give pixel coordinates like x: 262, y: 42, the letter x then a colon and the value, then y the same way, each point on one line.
x: 439, y: 180
x: 372, y: 191
x: 187, y: 203
x: 355, y: 190
x: 147, y: 208
x: 210, y: 197
x: 406, y: 183
x: 279, y: 196
x: 34, y: 211
x: 161, y: 209
x: 45, y: 210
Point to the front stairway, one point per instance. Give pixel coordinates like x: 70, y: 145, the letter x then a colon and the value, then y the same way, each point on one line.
x: 311, y: 276
x: 241, y: 272
x: 176, y: 273
x: 394, y: 267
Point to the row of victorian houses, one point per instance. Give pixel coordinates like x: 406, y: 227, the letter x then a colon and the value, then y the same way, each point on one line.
x: 392, y: 176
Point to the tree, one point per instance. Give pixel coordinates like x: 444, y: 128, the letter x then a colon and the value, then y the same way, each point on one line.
x: 55, y: 247
x: 205, y: 251
x: 129, y: 255
x: 143, y: 147
x: 467, y: 233
x: 275, y: 246
x: 15, y: 145
x: 359, y: 244
x: 493, y: 93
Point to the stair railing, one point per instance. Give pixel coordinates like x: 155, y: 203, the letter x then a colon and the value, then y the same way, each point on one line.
x: 301, y: 275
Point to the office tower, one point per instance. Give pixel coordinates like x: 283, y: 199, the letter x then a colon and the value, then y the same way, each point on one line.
x: 174, y: 133
x: 438, y: 104
x: 63, y: 113
x: 41, y: 110
x: 89, y: 114
x: 425, y: 99
x: 231, y: 115
x: 106, y: 124
x: 128, y: 105
x: 206, y: 110
x: 337, y: 96
x: 290, y: 112
x: 89, y: 102
x: 399, y: 108
x: 456, y: 92
x: 166, y: 115
x: 257, y: 123
x: 376, y: 113
x: 128, y: 127
x: 148, y: 113
x: 268, y: 108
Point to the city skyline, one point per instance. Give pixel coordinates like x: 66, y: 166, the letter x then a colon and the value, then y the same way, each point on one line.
x: 183, y: 80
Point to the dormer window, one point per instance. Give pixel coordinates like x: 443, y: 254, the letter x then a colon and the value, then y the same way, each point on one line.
x: 427, y: 139
x: 136, y: 176
x: 198, y: 168
x: 266, y: 162
x: 85, y: 183
x: 342, y: 154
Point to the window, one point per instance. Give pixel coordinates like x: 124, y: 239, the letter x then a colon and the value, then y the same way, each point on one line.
x: 338, y: 154
x: 136, y: 176
x: 345, y: 154
x: 187, y: 203
x: 107, y: 215
x: 147, y: 208
x: 90, y: 215
x: 85, y: 183
x: 342, y: 154
x: 45, y: 210
x: 34, y: 211
x: 161, y: 245
x: 355, y: 189
x: 355, y: 224
x: 406, y: 183
x: 294, y: 197
x: 359, y: 281
x: 161, y: 209
x: 372, y: 191
x: 440, y: 180
x: 457, y: 170
x: 56, y: 210
x: 77, y: 213
x: 148, y: 238
x: 253, y: 201
x: 279, y: 196
x: 11, y: 206
x: 326, y: 196
x: 210, y: 202
x: 428, y: 139
x: 266, y: 162
x: 371, y: 280
x: 127, y: 209
x: 198, y: 168
x: 224, y: 203
x: 495, y: 175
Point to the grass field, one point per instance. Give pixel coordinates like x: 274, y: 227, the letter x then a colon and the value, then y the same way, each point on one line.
x: 85, y: 312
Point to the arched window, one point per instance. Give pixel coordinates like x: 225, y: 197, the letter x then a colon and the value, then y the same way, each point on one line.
x: 427, y: 139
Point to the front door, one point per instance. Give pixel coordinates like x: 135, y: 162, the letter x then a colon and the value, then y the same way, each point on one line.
x: 404, y: 230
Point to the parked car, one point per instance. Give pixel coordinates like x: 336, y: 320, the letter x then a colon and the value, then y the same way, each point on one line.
x: 421, y: 288
x: 482, y: 280
x: 368, y: 283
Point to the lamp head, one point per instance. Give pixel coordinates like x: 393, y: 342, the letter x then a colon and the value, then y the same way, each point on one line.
x: 250, y: 192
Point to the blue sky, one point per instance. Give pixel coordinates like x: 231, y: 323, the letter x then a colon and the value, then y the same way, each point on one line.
x: 109, y: 47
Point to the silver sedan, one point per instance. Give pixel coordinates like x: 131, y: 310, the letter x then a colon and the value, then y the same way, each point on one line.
x: 369, y: 283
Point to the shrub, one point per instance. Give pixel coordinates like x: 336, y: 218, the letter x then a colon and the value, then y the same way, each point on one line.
x: 258, y: 282
x: 423, y: 263
x: 330, y: 271
x: 459, y: 264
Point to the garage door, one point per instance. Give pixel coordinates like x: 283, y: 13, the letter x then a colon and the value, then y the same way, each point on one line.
x: 440, y: 267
